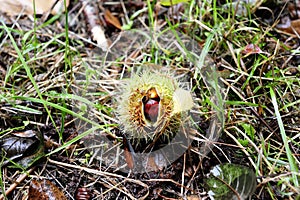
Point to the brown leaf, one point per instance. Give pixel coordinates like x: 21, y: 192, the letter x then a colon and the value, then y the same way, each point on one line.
x: 112, y: 19
x: 295, y: 26
x: 44, y: 189
x: 129, y: 159
x: 26, y: 6
x: 289, y: 26
x: 127, y: 153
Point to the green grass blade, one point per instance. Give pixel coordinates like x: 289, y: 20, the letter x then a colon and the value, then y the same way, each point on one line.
x: 291, y: 159
x: 27, y: 69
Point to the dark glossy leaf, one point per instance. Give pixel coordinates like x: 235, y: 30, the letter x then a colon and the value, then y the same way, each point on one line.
x: 22, y: 148
x: 13, y: 146
x: 230, y: 181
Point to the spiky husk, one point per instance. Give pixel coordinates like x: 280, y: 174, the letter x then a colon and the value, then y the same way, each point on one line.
x: 131, y: 112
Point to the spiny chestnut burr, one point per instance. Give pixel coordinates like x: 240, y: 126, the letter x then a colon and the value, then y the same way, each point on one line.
x: 151, y: 104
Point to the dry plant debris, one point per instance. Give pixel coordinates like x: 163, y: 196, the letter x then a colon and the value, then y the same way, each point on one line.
x: 27, y: 7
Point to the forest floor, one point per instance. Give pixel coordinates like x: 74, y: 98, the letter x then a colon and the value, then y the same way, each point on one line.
x: 61, y: 129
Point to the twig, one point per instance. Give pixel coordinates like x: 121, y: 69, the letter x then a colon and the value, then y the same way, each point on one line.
x: 20, y: 179
x: 91, y: 15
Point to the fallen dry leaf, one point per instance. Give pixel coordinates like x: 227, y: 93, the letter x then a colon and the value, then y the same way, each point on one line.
x: 127, y: 153
x: 26, y: 6
x: 290, y: 26
x: 112, y: 19
x: 44, y: 189
x: 295, y: 26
